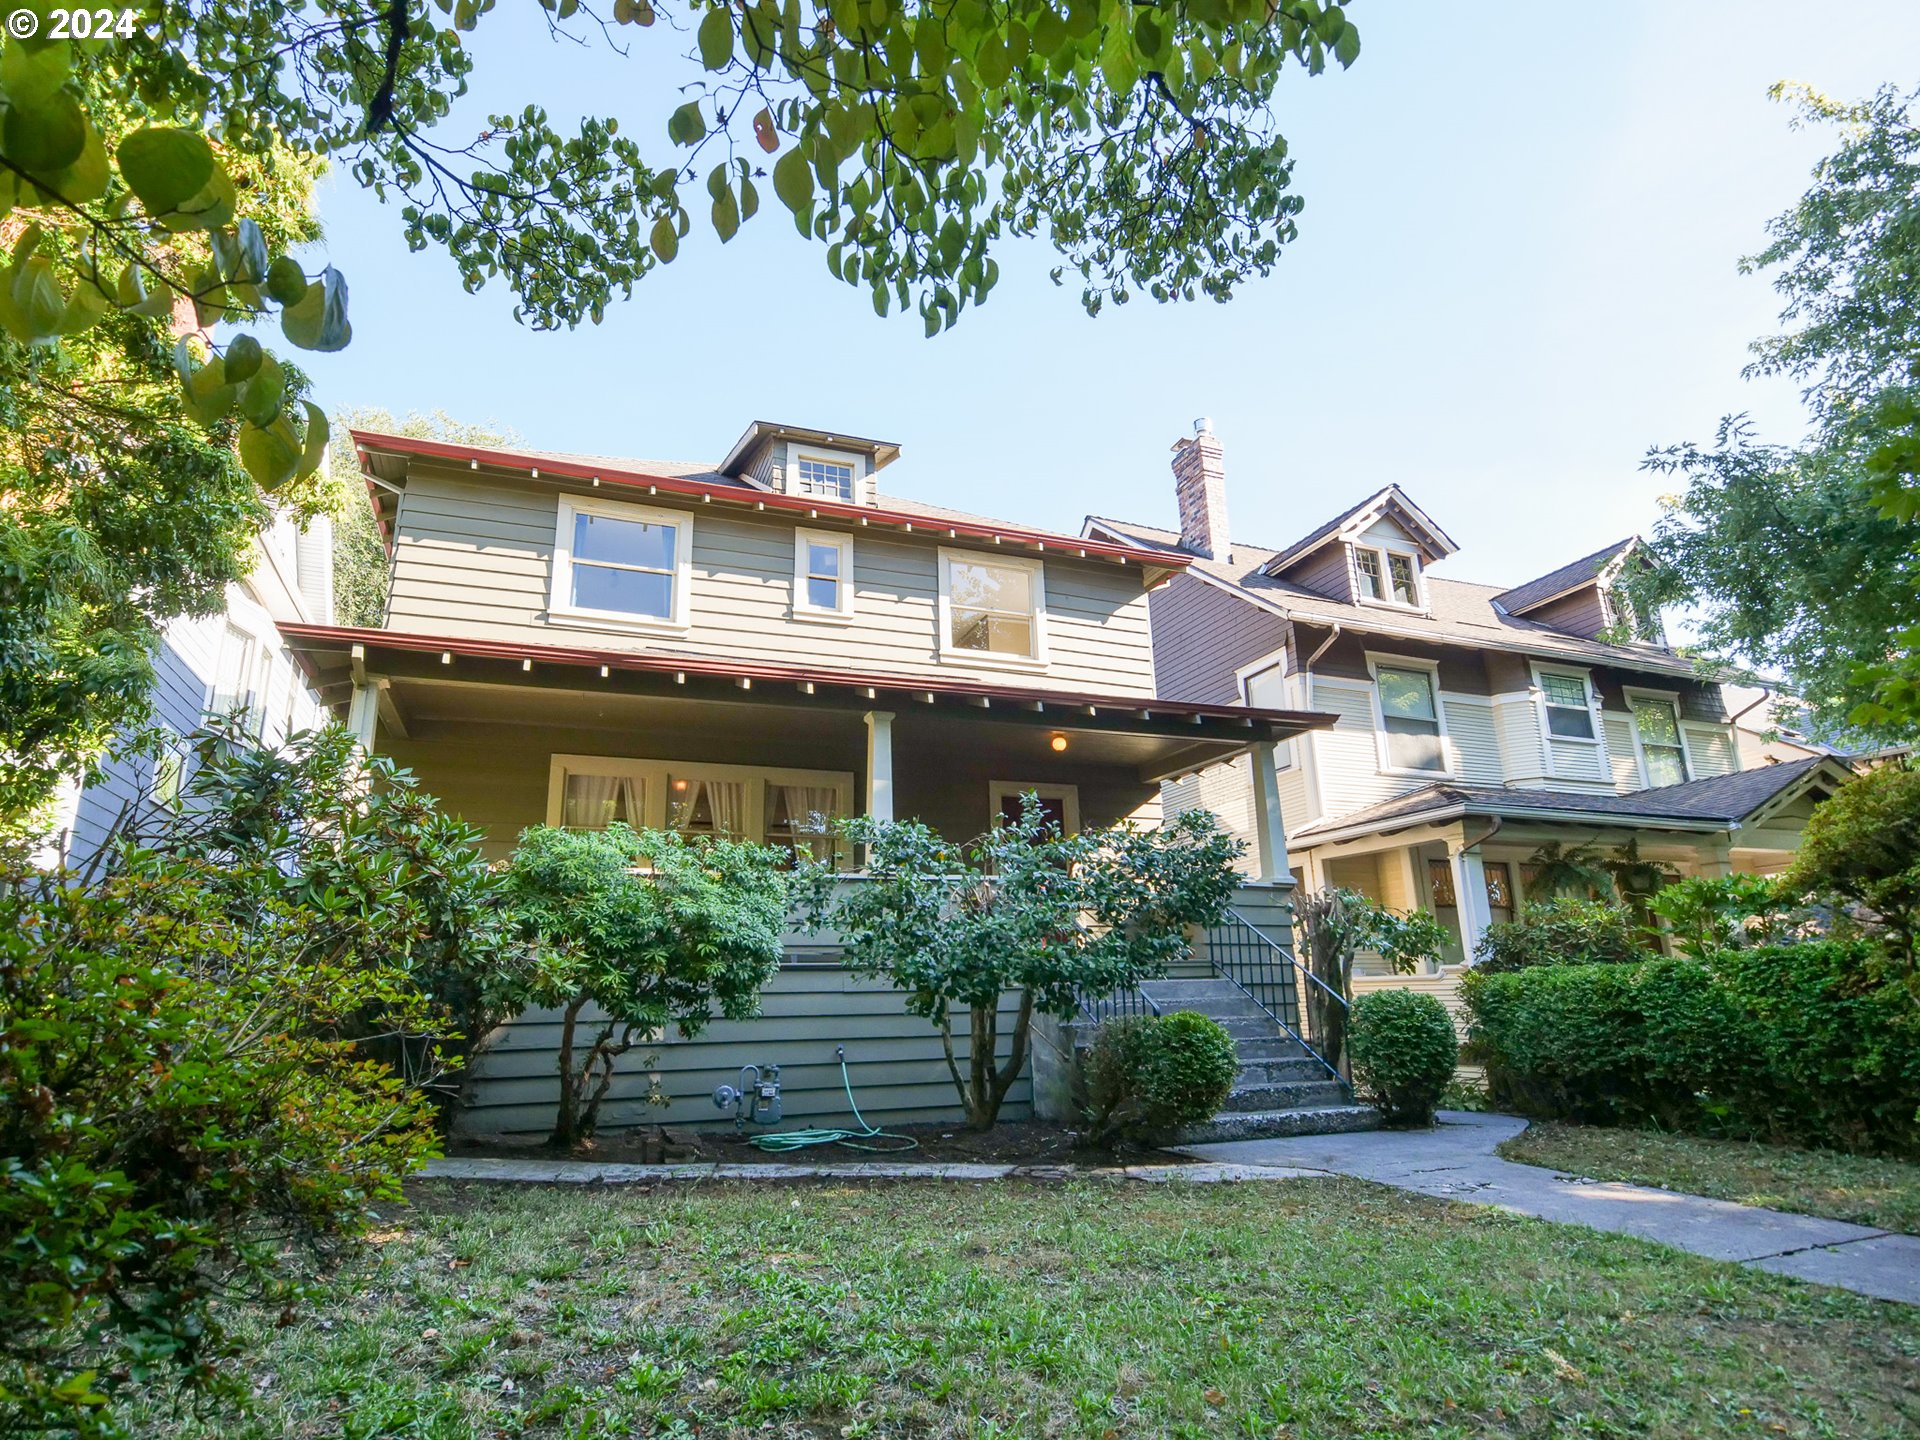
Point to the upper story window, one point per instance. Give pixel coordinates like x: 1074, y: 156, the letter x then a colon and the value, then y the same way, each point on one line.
x: 621, y: 562
x: 1387, y: 577
x: 1663, y: 749
x: 1412, y: 731
x: 822, y: 575
x: 1568, y: 705
x: 829, y: 479
x: 992, y: 610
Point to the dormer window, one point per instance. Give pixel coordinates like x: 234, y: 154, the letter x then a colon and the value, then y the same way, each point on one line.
x: 1387, y: 577
x: 827, y: 479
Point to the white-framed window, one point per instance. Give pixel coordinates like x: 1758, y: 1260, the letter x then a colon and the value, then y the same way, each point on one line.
x: 993, y: 609
x: 621, y: 563
x: 828, y: 479
x: 1409, y: 720
x: 1265, y: 685
x: 784, y: 807
x: 240, y: 676
x: 1388, y: 576
x: 822, y: 575
x: 1567, y: 705
x: 1659, y: 742
x: 1061, y: 803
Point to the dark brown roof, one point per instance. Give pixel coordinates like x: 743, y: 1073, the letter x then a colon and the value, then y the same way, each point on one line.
x: 1460, y: 611
x: 1522, y: 598
x: 1712, y: 803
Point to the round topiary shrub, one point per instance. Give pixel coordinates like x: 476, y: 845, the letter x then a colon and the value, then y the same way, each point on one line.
x: 1152, y: 1074
x: 1403, y: 1050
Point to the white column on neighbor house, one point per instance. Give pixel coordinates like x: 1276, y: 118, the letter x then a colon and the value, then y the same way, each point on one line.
x: 363, y: 713
x: 880, y: 764
x: 1470, y: 899
x: 1269, y: 825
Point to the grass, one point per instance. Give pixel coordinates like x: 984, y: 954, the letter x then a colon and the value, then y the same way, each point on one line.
x: 1885, y: 1193
x: 1313, y: 1308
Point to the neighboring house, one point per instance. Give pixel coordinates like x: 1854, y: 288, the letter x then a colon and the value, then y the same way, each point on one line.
x: 212, y: 665
x: 744, y: 648
x: 1476, y: 722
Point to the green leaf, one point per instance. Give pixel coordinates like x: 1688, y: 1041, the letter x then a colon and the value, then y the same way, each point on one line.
x: 1347, y: 48
x: 264, y: 395
x: 318, y: 320
x: 46, y: 136
x: 242, y: 358
x: 207, y: 208
x: 31, y: 75
x: 716, y: 38
x: 687, y: 125
x: 315, y: 448
x: 666, y: 244
x: 793, y: 181
x: 271, y: 454
x: 132, y: 295
x: 34, y: 306
x: 165, y: 167
x: 286, y: 281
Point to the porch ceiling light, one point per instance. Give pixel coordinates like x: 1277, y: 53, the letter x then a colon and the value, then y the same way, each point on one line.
x: 1057, y: 741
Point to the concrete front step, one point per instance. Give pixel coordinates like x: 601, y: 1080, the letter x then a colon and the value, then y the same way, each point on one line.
x: 1267, y: 1124
x: 1290, y: 1095
x: 1280, y: 1072
x: 1260, y: 1049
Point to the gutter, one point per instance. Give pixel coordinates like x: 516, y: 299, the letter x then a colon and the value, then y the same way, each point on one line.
x: 1460, y: 810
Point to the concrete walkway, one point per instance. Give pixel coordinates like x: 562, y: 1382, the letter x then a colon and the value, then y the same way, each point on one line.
x: 1455, y: 1161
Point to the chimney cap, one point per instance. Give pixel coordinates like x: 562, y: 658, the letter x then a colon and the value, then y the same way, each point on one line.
x: 1203, y: 426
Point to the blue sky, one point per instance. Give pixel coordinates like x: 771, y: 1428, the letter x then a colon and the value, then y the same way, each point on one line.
x: 1516, y: 271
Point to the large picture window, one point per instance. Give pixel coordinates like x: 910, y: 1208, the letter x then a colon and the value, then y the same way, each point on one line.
x: 792, y: 809
x: 621, y: 562
x: 1412, y: 735
x: 992, y: 610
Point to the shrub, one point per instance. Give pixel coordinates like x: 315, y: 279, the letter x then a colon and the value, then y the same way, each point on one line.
x: 1153, y: 1074
x: 1709, y: 913
x: 651, y: 928
x: 177, y: 1104
x: 1802, y: 1044
x: 1403, y: 1049
x: 1862, y: 847
x: 1564, y: 931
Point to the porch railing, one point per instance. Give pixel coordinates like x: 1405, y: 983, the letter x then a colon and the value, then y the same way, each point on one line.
x: 1128, y: 1004
x: 1294, y: 998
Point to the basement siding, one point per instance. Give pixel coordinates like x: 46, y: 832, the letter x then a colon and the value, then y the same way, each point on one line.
x: 473, y: 559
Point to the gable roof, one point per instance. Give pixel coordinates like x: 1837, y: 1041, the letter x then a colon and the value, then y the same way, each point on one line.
x: 1574, y: 575
x: 1391, y: 498
x: 1715, y: 803
x: 384, y: 459
x: 1461, y: 612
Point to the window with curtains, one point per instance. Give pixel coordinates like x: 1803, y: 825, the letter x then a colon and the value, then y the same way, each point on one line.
x: 1499, y: 875
x: 788, y: 808
x: 1663, y: 752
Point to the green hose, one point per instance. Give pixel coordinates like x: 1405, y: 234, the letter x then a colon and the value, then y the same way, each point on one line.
x: 783, y: 1141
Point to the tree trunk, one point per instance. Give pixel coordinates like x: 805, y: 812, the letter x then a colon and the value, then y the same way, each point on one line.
x: 600, y: 1062
x: 981, y: 1043
x: 566, y: 1124
x: 1016, y: 1055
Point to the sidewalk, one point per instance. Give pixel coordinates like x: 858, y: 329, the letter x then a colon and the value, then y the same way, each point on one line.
x: 1455, y: 1161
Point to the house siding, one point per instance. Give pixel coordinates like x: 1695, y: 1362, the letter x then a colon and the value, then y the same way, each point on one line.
x: 1202, y: 635
x: 1581, y: 613
x: 473, y: 559
x: 1329, y: 571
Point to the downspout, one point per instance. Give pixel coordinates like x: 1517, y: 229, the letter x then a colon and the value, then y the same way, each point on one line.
x: 1332, y: 635
x: 1765, y: 695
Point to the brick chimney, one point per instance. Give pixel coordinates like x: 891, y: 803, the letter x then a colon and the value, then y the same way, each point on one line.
x: 1200, y: 485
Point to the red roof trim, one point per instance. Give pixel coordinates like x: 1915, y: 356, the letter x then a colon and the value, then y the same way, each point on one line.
x: 365, y: 440
x: 317, y: 637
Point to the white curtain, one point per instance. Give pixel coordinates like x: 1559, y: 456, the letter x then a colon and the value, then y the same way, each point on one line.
x: 728, y: 801
x: 810, y: 808
x: 594, y: 802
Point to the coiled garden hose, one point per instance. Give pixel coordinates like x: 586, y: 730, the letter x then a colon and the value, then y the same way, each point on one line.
x: 783, y: 1141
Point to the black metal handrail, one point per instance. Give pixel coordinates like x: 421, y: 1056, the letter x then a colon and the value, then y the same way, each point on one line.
x: 1240, y: 951
x: 1128, y: 1004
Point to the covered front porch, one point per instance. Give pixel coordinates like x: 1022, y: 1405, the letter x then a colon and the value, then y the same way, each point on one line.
x: 509, y: 737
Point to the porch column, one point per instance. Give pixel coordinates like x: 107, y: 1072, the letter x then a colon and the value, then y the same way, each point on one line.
x: 1716, y: 860
x: 880, y: 764
x: 1470, y: 899
x: 363, y: 713
x: 1269, y: 826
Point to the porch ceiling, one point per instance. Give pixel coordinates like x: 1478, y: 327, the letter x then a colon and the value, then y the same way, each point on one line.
x: 429, y: 680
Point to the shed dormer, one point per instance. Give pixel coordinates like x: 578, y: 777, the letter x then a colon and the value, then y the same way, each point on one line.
x: 1585, y: 597
x: 793, y: 460
x: 1377, y: 553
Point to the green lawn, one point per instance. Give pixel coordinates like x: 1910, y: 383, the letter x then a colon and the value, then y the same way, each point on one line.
x: 1313, y: 1308
x: 1885, y: 1193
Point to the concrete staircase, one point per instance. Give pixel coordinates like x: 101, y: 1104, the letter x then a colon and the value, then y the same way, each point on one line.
x: 1281, y: 1089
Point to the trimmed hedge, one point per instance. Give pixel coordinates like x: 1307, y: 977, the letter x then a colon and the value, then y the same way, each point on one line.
x: 1562, y: 931
x: 1403, y: 1049
x: 1151, y: 1074
x: 1801, y: 1044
